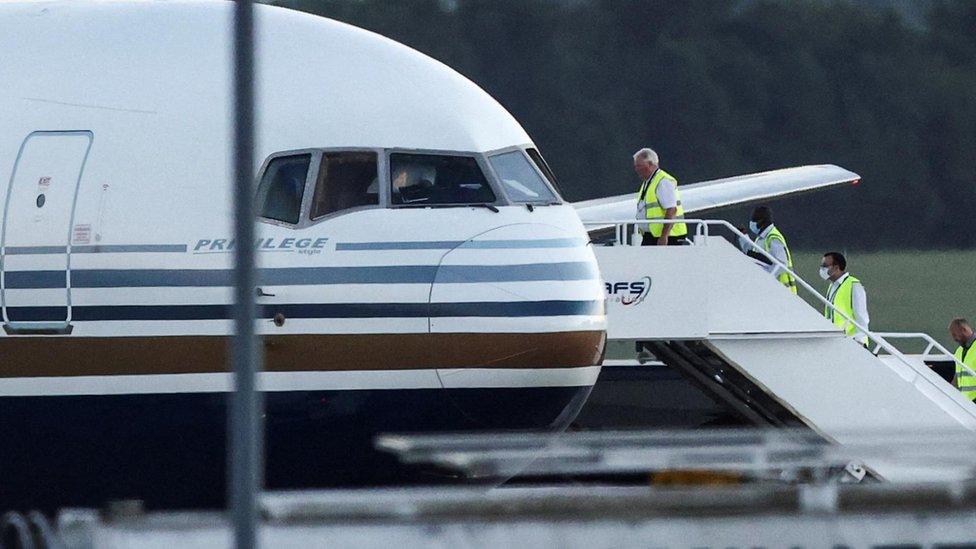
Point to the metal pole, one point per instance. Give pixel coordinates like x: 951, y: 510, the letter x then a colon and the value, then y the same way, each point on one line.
x: 246, y: 423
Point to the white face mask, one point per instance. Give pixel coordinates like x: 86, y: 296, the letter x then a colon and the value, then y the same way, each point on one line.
x: 823, y: 273
x: 754, y: 227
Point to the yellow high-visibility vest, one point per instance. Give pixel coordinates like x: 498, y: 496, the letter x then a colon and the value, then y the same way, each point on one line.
x: 843, y: 300
x: 647, y: 201
x: 785, y: 279
x: 964, y: 380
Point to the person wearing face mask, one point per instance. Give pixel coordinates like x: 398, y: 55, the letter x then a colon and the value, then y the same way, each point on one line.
x: 847, y: 296
x: 961, y: 331
x: 769, y: 238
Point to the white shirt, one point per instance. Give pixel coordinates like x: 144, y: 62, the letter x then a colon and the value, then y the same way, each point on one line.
x: 860, y: 304
x: 666, y: 194
x: 776, y: 249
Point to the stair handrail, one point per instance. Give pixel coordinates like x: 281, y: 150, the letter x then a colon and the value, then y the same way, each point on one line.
x: 932, y: 343
x: 702, y: 226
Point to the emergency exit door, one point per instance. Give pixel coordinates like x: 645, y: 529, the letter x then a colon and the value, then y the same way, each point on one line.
x: 37, y: 221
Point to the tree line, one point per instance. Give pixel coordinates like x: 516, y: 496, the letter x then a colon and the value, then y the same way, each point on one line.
x: 726, y: 88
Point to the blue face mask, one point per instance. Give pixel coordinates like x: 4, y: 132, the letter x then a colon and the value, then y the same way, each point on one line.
x: 754, y: 227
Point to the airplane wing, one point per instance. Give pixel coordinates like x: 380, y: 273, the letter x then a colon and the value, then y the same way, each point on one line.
x: 721, y: 193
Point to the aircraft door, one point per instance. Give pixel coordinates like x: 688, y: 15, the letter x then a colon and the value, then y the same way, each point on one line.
x: 38, y: 215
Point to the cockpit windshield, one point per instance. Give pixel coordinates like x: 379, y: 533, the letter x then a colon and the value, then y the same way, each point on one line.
x: 347, y: 179
x: 429, y: 179
x: 282, y: 187
x: 522, y: 182
x: 544, y: 168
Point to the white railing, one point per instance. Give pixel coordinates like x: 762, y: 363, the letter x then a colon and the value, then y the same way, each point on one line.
x: 927, y: 354
x: 702, y: 229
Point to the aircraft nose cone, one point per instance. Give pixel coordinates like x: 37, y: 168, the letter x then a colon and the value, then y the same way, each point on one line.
x: 532, y: 321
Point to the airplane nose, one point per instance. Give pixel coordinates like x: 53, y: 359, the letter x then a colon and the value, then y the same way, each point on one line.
x: 519, y: 339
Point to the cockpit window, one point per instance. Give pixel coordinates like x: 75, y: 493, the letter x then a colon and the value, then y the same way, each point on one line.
x: 544, y: 168
x: 282, y: 187
x: 522, y: 182
x: 423, y: 179
x: 346, y: 180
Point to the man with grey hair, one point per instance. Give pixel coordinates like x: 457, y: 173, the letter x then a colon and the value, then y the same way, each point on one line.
x: 658, y: 198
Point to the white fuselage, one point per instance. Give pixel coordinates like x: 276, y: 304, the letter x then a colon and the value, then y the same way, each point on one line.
x: 396, y: 313
x: 125, y: 133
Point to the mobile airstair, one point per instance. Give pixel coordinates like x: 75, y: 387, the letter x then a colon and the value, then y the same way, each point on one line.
x: 712, y: 313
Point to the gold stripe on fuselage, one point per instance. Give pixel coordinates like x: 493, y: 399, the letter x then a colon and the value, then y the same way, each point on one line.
x: 85, y: 356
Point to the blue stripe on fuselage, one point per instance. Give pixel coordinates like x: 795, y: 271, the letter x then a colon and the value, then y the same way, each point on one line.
x: 341, y: 246
x: 387, y: 274
x: 35, y: 250
x: 35, y: 279
x: 128, y: 248
x: 451, y: 244
x: 96, y: 249
x: 314, y: 310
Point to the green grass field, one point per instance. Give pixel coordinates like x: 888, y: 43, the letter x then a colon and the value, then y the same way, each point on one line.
x: 908, y: 291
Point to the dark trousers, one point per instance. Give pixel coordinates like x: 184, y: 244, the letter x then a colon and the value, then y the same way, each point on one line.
x: 651, y: 240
